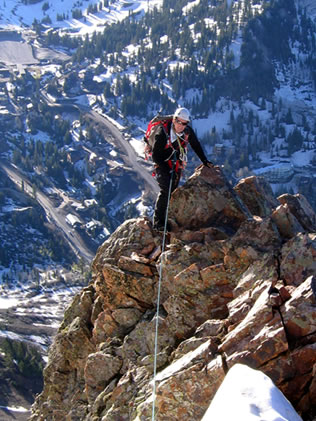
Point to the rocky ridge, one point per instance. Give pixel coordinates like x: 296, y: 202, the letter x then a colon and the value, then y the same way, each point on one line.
x: 238, y: 276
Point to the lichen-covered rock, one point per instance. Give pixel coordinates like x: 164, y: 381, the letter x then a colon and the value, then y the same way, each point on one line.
x: 235, y: 287
x: 133, y: 236
x: 300, y: 313
x: 288, y: 226
x: 207, y: 199
x: 100, y: 368
x: 191, y: 380
x: 298, y: 259
x: 301, y: 209
x: 259, y: 337
x: 256, y: 193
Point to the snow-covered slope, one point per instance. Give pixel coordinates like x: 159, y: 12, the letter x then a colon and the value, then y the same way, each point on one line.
x: 14, y: 14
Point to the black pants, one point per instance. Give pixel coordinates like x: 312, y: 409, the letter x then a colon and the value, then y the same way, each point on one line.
x: 163, y: 176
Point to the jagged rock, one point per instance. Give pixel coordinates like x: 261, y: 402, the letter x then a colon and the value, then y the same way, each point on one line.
x: 265, y: 268
x: 100, y: 368
x: 301, y: 209
x: 195, y: 295
x: 64, y: 373
x: 180, y: 256
x: 234, y: 288
x: 254, y: 238
x: 258, y: 234
x: 300, y: 312
x: 191, y: 344
x: 126, y: 317
x: 205, y: 235
x: 80, y: 307
x: 259, y: 337
x: 188, y: 237
x: 286, y: 222
x: 250, y: 286
x: 280, y: 369
x: 125, y: 289
x: 188, y: 380
x: 313, y: 285
x: 105, y: 326
x: 303, y: 362
x: 207, y: 199
x: 257, y: 195
x: 133, y: 236
x: 211, y: 327
x: 298, y: 259
x: 129, y: 264
x: 141, y: 341
x: 117, y: 402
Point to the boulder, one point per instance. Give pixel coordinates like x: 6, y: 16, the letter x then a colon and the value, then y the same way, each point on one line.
x: 298, y: 259
x: 301, y: 209
x: 207, y: 199
x: 288, y: 226
x: 256, y: 193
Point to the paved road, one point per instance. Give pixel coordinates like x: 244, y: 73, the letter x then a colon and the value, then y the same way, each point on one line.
x: 57, y: 215
x: 116, y: 137
x: 127, y: 152
x: 54, y: 215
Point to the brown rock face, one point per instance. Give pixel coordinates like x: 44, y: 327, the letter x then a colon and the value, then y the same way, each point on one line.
x: 257, y: 195
x: 207, y: 199
x: 235, y: 287
x: 301, y: 209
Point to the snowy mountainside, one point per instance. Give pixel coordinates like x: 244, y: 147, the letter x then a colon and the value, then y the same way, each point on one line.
x: 246, y: 129
x: 62, y: 14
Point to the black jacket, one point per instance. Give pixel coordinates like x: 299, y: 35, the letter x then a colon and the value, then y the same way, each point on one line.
x: 160, y: 153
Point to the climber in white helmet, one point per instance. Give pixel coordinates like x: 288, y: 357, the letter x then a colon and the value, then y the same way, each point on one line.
x: 170, y: 155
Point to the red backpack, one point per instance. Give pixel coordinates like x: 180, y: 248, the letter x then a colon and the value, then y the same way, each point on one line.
x: 154, y: 124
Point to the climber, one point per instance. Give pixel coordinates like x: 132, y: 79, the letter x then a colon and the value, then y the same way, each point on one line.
x: 169, y: 154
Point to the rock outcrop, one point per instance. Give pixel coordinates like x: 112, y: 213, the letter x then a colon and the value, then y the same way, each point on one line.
x: 236, y: 287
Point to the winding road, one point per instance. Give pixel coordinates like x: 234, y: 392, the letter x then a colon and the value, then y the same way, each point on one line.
x: 57, y: 215
x: 116, y: 137
x: 132, y: 162
x: 54, y: 215
x: 128, y: 154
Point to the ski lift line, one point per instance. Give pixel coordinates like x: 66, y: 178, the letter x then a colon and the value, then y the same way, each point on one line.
x: 158, y: 292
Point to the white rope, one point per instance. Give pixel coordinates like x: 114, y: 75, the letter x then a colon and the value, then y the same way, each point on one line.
x: 158, y: 295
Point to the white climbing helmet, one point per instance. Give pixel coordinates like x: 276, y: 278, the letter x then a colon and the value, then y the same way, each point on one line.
x: 182, y: 113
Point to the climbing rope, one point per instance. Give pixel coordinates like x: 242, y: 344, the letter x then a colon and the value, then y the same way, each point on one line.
x: 159, y: 289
